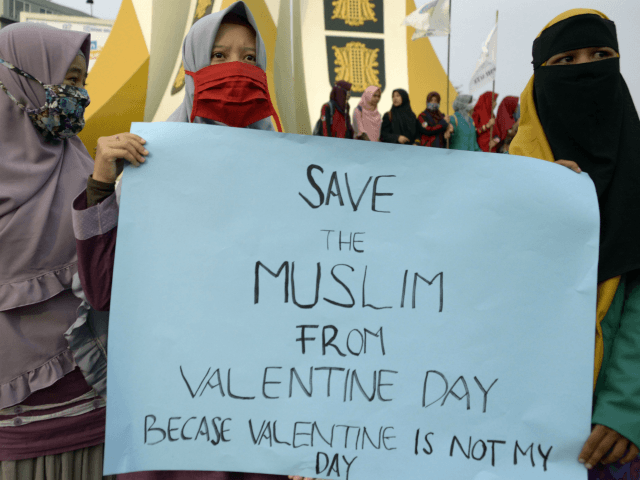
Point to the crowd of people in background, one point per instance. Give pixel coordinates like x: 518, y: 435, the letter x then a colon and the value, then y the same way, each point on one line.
x: 472, y: 127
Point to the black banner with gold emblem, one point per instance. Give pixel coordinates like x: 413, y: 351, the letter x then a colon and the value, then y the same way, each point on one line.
x: 354, y: 15
x: 359, y: 61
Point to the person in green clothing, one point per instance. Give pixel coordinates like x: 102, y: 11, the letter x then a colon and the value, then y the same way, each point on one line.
x: 577, y: 112
x: 464, y: 136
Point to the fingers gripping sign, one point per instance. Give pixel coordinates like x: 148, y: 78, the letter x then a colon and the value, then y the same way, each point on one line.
x: 114, y: 150
x: 607, y: 446
x: 570, y: 165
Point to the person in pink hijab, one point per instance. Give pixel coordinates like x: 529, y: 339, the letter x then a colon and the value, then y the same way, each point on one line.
x: 366, y: 117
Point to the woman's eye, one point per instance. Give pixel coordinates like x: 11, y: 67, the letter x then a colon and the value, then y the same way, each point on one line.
x: 602, y: 54
x: 217, y: 55
x: 251, y: 58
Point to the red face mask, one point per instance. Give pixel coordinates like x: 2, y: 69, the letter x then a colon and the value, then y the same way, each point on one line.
x: 233, y: 93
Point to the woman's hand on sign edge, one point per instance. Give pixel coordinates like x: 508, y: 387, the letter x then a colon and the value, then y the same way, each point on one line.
x: 127, y: 146
x: 403, y: 139
x: 602, y: 440
x: 571, y: 165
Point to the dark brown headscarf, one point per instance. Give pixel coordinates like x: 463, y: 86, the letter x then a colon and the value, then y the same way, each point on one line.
x: 339, y: 96
x: 437, y: 115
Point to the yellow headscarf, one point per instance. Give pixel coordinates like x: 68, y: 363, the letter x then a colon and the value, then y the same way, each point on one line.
x: 531, y: 141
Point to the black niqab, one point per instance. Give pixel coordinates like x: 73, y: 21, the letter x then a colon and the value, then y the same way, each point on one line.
x: 588, y: 116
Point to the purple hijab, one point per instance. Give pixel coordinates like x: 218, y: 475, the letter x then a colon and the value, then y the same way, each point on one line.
x: 38, y: 180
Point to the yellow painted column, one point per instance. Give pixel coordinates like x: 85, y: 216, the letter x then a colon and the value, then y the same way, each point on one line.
x: 426, y: 73
x: 117, y: 84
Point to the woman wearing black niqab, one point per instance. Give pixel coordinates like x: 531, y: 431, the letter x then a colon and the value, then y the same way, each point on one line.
x: 577, y: 111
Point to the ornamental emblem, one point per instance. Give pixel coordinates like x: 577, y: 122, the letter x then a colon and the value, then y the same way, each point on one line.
x: 203, y: 8
x: 354, y: 12
x: 356, y: 64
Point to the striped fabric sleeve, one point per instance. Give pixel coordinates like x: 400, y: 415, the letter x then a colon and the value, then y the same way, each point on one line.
x: 96, y: 232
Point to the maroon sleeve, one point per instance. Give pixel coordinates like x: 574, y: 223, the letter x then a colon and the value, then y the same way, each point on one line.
x: 326, y: 128
x: 96, y: 231
x: 439, y: 127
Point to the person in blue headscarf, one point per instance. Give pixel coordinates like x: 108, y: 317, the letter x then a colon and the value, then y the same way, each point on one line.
x: 464, y: 136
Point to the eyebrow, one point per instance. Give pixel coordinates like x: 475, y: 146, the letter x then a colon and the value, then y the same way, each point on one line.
x: 223, y: 47
x: 76, y: 70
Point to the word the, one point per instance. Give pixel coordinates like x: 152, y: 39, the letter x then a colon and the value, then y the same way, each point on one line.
x: 351, y: 242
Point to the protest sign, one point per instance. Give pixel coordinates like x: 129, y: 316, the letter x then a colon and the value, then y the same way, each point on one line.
x: 349, y: 310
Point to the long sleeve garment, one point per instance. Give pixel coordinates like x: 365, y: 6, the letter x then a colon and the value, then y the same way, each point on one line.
x: 464, y: 136
x: 434, y: 136
x: 95, y: 220
x: 616, y: 399
x: 390, y: 133
x: 485, y: 136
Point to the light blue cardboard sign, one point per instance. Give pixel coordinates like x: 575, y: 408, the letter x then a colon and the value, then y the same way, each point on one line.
x: 342, y: 309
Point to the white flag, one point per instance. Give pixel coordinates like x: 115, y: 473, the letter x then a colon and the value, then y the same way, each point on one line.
x: 432, y: 19
x: 486, y: 66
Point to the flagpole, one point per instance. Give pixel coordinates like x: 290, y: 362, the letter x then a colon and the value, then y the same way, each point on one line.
x: 493, y: 92
x: 448, y: 61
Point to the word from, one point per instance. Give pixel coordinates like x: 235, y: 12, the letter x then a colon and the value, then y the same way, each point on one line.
x: 359, y: 339
x: 333, y: 190
x: 450, y: 391
x: 309, y: 434
x: 351, y: 243
x: 289, y: 278
x: 199, y: 429
x: 353, y: 382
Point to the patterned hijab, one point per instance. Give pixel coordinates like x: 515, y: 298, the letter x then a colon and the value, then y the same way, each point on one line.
x: 196, y: 54
x: 38, y: 180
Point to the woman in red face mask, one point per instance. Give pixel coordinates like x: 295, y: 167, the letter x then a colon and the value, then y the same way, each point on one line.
x: 225, y: 61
